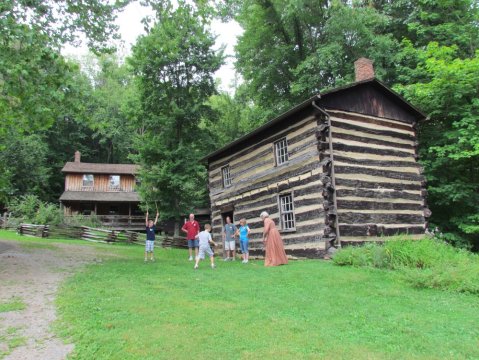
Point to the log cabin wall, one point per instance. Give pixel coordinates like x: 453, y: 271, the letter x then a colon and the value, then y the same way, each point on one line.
x: 380, y: 189
x: 257, y: 182
x: 101, y: 182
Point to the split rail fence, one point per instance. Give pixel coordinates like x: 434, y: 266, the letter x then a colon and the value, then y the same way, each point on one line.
x: 96, y: 235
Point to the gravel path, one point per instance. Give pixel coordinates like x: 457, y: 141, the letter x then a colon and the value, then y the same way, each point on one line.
x: 33, y: 274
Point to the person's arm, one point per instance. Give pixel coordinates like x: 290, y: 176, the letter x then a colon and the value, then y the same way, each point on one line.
x: 249, y: 230
x: 146, y: 218
x: 267, y: 225
x: 183, y: 228
x: 197, y: 228
x: 235, y: 231
x: 156, y: 218
x: 211, y: 240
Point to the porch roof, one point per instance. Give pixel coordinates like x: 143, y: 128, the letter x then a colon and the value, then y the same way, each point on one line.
x: 96, y: 196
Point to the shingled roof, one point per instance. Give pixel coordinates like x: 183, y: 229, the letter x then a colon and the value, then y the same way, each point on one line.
x: 91, y: 168
x: 100, y: 196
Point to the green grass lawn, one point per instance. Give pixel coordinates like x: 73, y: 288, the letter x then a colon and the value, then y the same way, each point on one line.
x: 123, y: 308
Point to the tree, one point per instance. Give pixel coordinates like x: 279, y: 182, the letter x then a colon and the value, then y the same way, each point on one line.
x: 445, y: 86
x: 38, y: 87
x: 291, y: 49
x: 114, y: 108
x: 175, y: 64
x: 447, y: 22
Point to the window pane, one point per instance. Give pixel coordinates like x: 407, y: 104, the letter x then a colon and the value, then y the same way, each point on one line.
x: 88, y: 180
x: 286, y: 210
x: 281, y: 151
x: 226, y: 176
x: 114, y: 181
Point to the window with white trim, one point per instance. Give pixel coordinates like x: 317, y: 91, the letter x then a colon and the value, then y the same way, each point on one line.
x: 281, y: 151
x: 114, y: 183
x: 286, y: 210
x: 225, y: 172
x: 87, y: 181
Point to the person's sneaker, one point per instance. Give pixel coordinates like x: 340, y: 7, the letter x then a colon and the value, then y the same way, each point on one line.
x: 226, y: 259
x: 191, y: 258
x: 244, y: 261
x: 213, y: 266
x: 196, y: 267
x: 146, y: 260
x: 152, y: 260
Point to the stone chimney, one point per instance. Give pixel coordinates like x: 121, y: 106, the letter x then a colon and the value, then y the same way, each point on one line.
x: 363, y: 69
x: 77, y: 156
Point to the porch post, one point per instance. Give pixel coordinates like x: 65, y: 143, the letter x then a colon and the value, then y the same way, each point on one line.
x: 129, y: 214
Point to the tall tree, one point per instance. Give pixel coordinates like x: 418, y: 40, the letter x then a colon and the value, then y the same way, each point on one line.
x: 38, y: 87
x: 113, y: 108
x: 175, y: 63
x: 291, y: 49
x: 446, y: 87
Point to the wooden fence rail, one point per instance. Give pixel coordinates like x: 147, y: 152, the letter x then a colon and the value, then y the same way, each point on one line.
x: 79, y: 232
x: 96, y: 235
x: 33, y: 230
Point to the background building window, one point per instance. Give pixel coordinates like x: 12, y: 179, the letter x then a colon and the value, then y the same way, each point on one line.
x: 286, y: 210
x: 225, y: 171
x: 87, y: 181
x: 281, y: 151
x: 114, y: 183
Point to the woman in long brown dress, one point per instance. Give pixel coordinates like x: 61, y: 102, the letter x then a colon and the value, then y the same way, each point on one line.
x: 274, y: 248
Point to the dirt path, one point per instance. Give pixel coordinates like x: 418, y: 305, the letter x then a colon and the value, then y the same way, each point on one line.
x: 33, y: 272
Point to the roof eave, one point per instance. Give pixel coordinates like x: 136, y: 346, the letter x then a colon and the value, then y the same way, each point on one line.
x: 263, y: 127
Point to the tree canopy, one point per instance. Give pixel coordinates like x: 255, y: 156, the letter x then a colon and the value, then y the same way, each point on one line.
x: 162, y: 109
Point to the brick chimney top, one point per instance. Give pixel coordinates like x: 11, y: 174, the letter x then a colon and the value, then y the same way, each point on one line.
x: 77, y: 156
x: 363, y: 69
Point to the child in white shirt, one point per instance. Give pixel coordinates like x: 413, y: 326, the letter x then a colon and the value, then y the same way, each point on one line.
x: 204, y: 244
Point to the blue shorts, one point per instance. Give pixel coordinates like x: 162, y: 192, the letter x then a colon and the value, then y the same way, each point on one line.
x: 244, y: 246
x: 149, y: 245
x: 193, y: 243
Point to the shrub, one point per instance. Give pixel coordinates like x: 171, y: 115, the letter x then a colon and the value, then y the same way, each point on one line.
x: 29, y: 208
x: 426, y: 263
x: 81, y: 220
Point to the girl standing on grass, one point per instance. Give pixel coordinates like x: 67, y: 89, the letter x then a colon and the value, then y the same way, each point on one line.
x: 243, y: 233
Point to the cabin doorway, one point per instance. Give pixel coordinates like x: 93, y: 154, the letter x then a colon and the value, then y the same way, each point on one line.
x: 226, y: 212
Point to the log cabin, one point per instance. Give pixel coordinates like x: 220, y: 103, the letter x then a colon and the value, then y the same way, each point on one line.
x: 104, y: 190
x: 339, y: 168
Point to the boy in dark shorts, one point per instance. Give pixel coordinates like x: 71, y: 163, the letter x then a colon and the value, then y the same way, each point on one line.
x: 150, y: 236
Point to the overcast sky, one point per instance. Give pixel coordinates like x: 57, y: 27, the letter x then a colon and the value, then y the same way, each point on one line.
x: 129, y: 22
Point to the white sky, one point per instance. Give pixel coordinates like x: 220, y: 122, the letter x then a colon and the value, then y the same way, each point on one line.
x: 130, y: 27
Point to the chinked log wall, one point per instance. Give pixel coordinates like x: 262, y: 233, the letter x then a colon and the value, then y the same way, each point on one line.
x: 380, y: 189
x: 257, y: 182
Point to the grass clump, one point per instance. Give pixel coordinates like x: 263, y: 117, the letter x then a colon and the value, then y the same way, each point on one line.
x: 10, y: 340
x: 14, y: 304
x: 426, y: 263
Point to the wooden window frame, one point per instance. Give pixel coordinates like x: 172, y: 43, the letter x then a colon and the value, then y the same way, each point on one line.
x: 283, y: 213
x: 226, y: 179
x: 88, y: 187
x: 281, y: 158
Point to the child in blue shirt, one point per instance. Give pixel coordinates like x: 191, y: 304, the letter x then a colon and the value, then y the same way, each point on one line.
x: 243, y: 233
